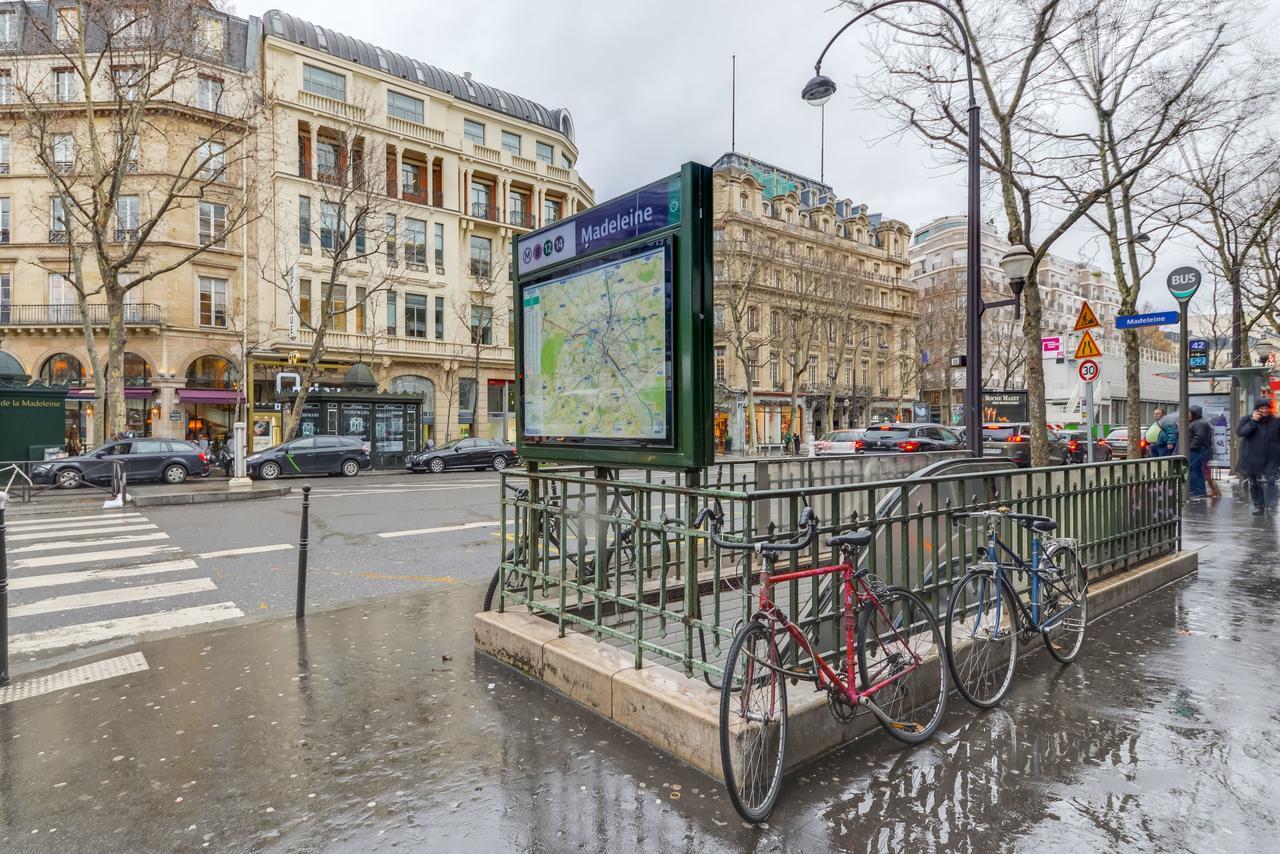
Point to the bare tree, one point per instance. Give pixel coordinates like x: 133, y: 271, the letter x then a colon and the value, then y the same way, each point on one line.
x: 803, y: 286
x: 477, y: 308
x: 350, y: 221
x: 741, y: 288
x: 844, y: 300
x: 121, y: 75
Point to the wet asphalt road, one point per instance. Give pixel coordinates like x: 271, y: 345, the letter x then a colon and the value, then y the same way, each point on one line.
x: 377, y: 728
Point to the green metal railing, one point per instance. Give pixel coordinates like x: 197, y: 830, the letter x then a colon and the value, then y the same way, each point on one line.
x: 619, y: 559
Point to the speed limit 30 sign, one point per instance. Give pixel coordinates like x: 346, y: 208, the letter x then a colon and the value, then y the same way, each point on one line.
x: 1089, y: 370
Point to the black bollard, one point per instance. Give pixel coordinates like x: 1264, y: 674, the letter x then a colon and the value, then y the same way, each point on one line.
x: 301, y: 610
x: 4, y: 599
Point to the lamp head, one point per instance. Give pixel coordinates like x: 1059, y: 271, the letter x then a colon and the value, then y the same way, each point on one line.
x: 818, y: 90
x: 1016, y: 264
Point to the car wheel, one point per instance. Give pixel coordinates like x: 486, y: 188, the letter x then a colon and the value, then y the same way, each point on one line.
x: 269, y: 471
x: 499, y: 463
x: 436, y: 465
x: 350, y: 468
x: 175, y: 473
x: 69, y: 478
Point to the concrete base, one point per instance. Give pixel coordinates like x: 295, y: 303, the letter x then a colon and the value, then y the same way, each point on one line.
x: 164, y: 499
x: 239, y: 484
x: 682, y: 715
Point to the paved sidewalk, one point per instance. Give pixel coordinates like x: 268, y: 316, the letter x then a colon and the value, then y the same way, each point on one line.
x: 375, y: 728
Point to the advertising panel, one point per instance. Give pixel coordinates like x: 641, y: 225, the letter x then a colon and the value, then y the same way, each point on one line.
x: 1217, y: 411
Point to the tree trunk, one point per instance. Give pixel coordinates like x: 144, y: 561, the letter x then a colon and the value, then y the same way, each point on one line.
x: 98, y: 435
x: 749, y: 433
x: 310, y: 372
x: 115, y: 362
x: 1035, y: 372
x: 1133, y: 390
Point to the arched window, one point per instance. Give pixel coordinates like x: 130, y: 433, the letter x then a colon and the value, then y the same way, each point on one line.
x: 10, y: 368
x: 413, y: 384
x: 63, y: 369
x: 137, y: 372
x: 213, y: 372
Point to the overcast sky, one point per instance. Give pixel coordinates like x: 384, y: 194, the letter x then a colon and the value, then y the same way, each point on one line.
x: 648, y: 83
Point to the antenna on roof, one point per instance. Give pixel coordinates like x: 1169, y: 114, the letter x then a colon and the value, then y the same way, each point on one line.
x: 733, y: 105
x: 822, y: 148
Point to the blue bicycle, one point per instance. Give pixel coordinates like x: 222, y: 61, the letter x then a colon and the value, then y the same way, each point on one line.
x: 987, y: 615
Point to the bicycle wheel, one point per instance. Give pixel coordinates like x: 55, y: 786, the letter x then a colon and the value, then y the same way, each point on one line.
x: 513, y: 582
x: 982, y: 638
x: 753, y: 722
x: 1064, y: 603
x: 899, y: 639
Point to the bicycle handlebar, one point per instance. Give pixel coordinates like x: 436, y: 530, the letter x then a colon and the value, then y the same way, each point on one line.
x: 808, y: 522
x: 1002, y: 513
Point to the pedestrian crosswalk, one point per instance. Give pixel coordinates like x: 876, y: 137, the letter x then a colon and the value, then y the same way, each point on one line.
x: 102, y: 576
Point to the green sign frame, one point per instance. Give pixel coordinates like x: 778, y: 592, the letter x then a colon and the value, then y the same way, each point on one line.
x: 607, y: 231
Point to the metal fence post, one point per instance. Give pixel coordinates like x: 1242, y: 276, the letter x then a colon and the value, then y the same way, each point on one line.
x: 301, y: 607
x: 4, y: 598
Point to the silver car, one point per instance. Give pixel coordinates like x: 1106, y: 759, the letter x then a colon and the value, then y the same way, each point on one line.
x: 839, y: 442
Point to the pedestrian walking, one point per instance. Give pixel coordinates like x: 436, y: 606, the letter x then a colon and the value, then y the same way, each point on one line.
x: 797, y: 441
x: 1259, y: 435
x: 786, y: 443
x: 1199, y: 448
x: 1152, y: 435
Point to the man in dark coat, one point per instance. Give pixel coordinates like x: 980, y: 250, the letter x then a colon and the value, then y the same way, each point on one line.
x: 1260, y: 455
x: 1200, y: 448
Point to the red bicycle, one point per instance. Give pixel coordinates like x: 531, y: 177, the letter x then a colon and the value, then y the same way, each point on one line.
x: 890, y: 636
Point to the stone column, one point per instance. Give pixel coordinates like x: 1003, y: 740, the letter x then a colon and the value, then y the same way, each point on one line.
x: 167, y: 398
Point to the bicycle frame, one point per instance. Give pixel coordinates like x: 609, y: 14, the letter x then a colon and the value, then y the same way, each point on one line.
x: 1030, y: 614
x: 825, y: 675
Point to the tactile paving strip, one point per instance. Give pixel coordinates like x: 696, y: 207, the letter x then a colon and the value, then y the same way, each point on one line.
x: 108, y: 668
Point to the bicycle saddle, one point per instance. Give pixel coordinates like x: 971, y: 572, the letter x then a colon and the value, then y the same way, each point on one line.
x: 854, y: 539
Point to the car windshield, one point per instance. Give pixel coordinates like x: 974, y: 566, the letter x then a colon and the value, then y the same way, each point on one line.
x: 1118, y: 434
x: 447, y: 445
x: 886, y: 432
x: 838, y: 436
x: 999, y: 432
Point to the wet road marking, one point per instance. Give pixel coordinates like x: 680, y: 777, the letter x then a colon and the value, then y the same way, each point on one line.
x: 79, y: 532
x: 108, y: 668
x: 88, y: 544
x: 416, y: 531
x: 23, y: 525
x: 250, y: 550
x: 104, y: 630
x: 115, y: 596
x: 384, y: 576
x: 53, y: 579
x: 86, y: 557
x: 396, y: 490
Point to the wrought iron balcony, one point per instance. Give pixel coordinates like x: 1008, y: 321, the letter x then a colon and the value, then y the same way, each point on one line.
x: 135, y: 314
x: 4, y: 235
x: 524, y: 219
x: 483, y: 210
x: 57, y: 235
x: 126, y: 235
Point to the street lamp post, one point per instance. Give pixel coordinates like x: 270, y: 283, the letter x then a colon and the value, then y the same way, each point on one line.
x: 818, y: 91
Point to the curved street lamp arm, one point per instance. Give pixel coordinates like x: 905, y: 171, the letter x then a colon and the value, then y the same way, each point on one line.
x: 964, y: 37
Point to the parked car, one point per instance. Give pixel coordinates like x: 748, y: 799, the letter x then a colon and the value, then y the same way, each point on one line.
x: 344, y: 455
x: 838, y: 442
x: 1013, y: 440
x: 1078, y: 446
x: 462, y: 454
x: 909, y: 438
x: 1118, y: 439
x: 168, y: 460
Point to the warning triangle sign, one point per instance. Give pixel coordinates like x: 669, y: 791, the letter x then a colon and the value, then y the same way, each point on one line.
x: 1088, y: 348
x: 1086, y: 319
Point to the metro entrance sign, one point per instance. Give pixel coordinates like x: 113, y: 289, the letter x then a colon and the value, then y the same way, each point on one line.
x: 614, y: 330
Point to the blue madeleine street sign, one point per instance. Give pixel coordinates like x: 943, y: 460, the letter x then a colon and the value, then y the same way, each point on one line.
x: 651, y: 208
x: 1156, y: 318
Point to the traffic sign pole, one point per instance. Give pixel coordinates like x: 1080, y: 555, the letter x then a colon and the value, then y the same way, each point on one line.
x: 1183, y: 284
x: 1088, y: 405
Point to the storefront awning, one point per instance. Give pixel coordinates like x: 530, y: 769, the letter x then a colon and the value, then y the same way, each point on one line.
x: 130, y: 393
x: 221, y: 397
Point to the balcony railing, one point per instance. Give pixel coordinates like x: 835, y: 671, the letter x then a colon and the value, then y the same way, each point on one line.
x: 330, y: 105
x: 493, y: 155
x: 524, y: 219
x: 484, y: 210
x: 57, y: 235
x: 415, y: 130
x: 126, y: 235
x: 4, y: 168
x: 142, y: 314
x: 4, y: 235
x: 558, y: 173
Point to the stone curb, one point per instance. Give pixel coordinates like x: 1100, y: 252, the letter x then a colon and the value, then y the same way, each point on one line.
x: 211, y: 497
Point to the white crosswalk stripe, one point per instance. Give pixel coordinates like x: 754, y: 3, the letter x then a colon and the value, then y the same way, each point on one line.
x: 99, y: 576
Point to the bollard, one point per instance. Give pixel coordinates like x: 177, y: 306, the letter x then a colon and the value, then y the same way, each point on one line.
x: 301, y: 609
x: 4, y: 599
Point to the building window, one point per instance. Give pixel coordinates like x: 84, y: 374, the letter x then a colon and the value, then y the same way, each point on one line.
x: 775, y: 323
x: 8, y: 28
x: 212, y: 156
x: 405, y: 107
x: 321, y: 81
x: 127, y: 216
x: 439, y: 318
x: 473, y: 131
x: 213, y: 224
x: 774, y: 374
x: 717, y: 313
x: 209, y: 35
x: 59, y: 220
x: 67, y: 27
x: 544, y: 152
x: 415, y: 241
x: 64, y: 152
x: 209, y: 93
x: 213, y: 302
x: 4, y: 154
x: 4, y: 219
x: 392, y: 315
x: 439, y: 238
x: 328, y: 162
x: 551, y: 209
x: 125, y: 79
x: 304, y: 301
x: 411, y: 175
x: 64, y: 84
x: 511, y: 142
x: 753, y: 368
x: 720, y: 374
x: 565, y: 161
x: 481, y: 325
x: 128, y: 151
x: 358, y: 309
x: 813, y: 370
x: 481, y: 257
x: 415, y: 315
x: 334, y: 309
x: 304, y: 221
x: 6, y: 87
x: 389, y: 226
x: 6, y: 298
x: 466, y: 400
x: 753, y: 318
x: 481, y: 200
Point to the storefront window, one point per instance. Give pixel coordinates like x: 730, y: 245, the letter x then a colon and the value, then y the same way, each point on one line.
x: 137, y: 373
x: 356, y: 420
x: 466, y: 400
x: 424, y: 389
x: 62, y: 369
x: 389, y: 429
x: 213, y: 372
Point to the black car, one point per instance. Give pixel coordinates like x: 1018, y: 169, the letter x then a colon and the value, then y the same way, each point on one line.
x: 168, y: 460
x: 1078, y: 447
x: 908, y: 438
x: 344, y: 455
x: 462, y: 454
x: 1012, y: 439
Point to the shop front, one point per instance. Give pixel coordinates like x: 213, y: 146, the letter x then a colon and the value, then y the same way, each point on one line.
x: 388, y: 421
x: 208, y: 403
x: 425, y: 390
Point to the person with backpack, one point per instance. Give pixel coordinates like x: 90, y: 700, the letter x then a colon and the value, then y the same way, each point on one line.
x: 1259, y: 435
x: 1199, y: 449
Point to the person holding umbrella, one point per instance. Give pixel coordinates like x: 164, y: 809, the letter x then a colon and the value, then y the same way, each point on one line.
x: 1259, y: 435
